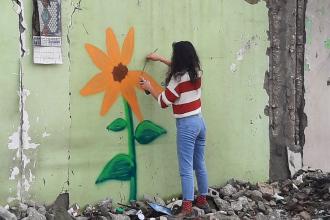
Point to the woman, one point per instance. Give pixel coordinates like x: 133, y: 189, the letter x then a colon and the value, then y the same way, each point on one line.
x: 183, y: 93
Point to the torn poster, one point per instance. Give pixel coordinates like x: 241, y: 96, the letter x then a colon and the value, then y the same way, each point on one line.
x: 47, y: 32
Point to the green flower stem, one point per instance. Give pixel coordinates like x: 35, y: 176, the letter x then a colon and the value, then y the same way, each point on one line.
x: 131, y: 149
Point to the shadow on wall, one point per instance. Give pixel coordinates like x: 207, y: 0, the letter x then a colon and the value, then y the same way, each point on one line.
x: 116, y: 80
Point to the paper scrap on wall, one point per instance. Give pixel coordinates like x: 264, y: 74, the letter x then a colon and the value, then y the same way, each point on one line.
x: 47, y: 32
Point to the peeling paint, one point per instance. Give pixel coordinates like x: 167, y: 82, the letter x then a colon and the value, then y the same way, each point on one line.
x: 22, y: 142
x: 251, y: 43
x: 14, y: 173
x: 241, y: 53
x: 26, y: 184
x: 14, y: 139
x: 308, y: 28
x: 45, y: 134
x: 233, y: 67
x: 25, y: 161
x: 327, y: 43
x: 306, y: 66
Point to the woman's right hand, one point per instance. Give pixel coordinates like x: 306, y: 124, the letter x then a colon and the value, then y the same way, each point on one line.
x: 154, y: 57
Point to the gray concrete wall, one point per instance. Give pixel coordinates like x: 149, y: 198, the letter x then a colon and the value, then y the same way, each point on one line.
x: 317, y: 73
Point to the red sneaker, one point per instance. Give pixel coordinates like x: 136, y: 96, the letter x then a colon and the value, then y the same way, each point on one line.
x: 186, y: 210
x: 202, y: 203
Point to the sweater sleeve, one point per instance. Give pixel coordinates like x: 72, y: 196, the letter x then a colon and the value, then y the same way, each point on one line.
x: 169, y: 96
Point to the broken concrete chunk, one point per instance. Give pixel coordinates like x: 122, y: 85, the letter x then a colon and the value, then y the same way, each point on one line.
x: 266, y: 188
x: 238, y: 194
x: 175, y: 203
x: 236, y: 205
x: 255, y: 195
x: 228, y: 190
x: 42, y: 210
x: 198, y: 211
x: 82, y: 218
x: 305, y: 215
x: 60, y: 207
x: 33, y: 214
x: 154, y: 199
x: 104, y: 206
x: 222, y: 204
x: 220, y: 215
x: 50, y: 216
x: 213, y: 193
x: 5, y: 214
x: 249, y: 201
x: 262, y: 207
x: 119, y: 217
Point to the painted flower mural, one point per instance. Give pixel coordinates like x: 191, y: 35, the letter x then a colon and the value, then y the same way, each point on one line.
x: 115, y: 79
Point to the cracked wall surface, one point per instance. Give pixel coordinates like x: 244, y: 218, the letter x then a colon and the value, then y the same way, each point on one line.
x: 316, y: 150
x: 73, y: 144
x: 38, y: 115
x: 9, y: 82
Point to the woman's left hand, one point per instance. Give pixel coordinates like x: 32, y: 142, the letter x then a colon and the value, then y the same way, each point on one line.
x: 145, y: 84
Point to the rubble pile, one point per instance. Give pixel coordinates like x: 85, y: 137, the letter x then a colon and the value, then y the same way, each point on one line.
x: 305, y: 196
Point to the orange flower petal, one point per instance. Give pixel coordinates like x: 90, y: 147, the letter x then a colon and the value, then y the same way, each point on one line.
x: 95, y: 85
x: 158, y: 88
x: 128, y: 47
x: 110, y: 96
x: 130, y: 96
x: 112, y: 46
x: 134, y: 77
x: 99, y: 58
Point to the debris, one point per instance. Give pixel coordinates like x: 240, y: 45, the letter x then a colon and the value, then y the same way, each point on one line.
x: 33, y: 214
x: 213, y: 193
x: 236, y: 205
x: 228, y: 190
x: 160, y: 208
x: 266, y: 188
x: 74, y: 210
x: 305, y: 196
x: 305, y: 215
x: 154, y: 199
x: 174, y: 203
x: 278, y: 197
x: 198, y: 211
x: 222, y: 204
x: 5, y: 214
x: 119, y: 210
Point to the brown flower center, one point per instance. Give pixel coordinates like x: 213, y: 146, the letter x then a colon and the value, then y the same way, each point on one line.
x: 119, y: 72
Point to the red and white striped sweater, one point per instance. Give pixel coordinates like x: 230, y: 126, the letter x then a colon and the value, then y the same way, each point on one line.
x: 183, y: 95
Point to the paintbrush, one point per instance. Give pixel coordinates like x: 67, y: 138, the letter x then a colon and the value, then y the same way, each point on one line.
x: 144, y: 67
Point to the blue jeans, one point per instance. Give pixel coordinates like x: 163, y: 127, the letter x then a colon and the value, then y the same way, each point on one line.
x: 191, y: 134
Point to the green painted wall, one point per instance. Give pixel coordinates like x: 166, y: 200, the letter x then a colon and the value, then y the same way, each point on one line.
x: 230, y: 37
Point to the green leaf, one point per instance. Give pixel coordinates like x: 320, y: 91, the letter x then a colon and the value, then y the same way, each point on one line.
x: 121, y: 167
x: 147, y: 131
x: 117, y: 125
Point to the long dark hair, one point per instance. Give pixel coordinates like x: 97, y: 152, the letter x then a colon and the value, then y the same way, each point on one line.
x: 184, y: 59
